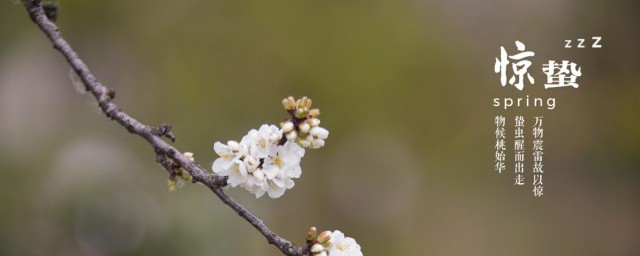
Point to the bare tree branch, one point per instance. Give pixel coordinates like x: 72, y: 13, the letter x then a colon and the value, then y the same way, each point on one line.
x: 166, y: 154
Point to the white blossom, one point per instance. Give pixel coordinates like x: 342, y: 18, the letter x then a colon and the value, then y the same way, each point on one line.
x: 226, y: 158
x: 284, y: 159
x: 343, y: 246
x: 237, y: 174
x: 229, y: 163
x: 255, y: 185
x: 263, y: 140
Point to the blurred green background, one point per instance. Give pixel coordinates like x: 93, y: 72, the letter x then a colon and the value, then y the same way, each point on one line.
x: 405, y: 88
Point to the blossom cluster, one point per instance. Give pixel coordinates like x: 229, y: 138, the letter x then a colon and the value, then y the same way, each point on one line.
x: 267, y: 160
x: 333, y: 243
x: 258, y: 163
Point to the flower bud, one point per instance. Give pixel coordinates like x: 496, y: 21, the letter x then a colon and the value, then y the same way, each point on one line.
x: 317, y: 248
x: 292, y: 135
x: 304, y: 127
x: 189, y: 155
x: 304, y: 143
x: 186, y: 176
x: 307, y: 103
x: 289, y: 103
x: 300, y: 113
x: 287, y: 127
x: 317, y: 143
x: 312, y: 234
x: 322, y: 253
x: 258, y: 174
x: 303, y: 102
x: 314, y: 122
x: 319, y: 132
x: 172, y: 184
x: 324, y: 237
x: 314, y: 112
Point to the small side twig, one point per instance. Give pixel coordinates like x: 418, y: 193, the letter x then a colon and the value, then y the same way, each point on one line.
x: 164, y: 130
x: 166, y: 155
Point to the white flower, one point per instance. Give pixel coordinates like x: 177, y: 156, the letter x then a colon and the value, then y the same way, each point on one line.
x: 230, y: 163
x: 237, y: 174
x: 284, y: 159
x: 258, y: 174
x: 225, y: 161
x: 251, y: 163
x: 343, y: 246
x: 255, y: 185
x: 282, y: 166
x: 233, y: 145
x: 262, y: 140
x: 275, y: 187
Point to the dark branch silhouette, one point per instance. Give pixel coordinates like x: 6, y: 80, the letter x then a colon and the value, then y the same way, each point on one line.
x: 166, y: 155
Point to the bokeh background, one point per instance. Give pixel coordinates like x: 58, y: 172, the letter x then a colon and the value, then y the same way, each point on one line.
x: 405, y: 88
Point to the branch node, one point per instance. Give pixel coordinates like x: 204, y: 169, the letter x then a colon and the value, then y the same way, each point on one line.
x: 164, y: 130
x: 50, y: 10
x: 164, y: 162
x: 221, y: 181
x: 111, y: 93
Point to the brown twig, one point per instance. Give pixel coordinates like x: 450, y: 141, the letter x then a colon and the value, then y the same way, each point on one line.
x: 166, y: 155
